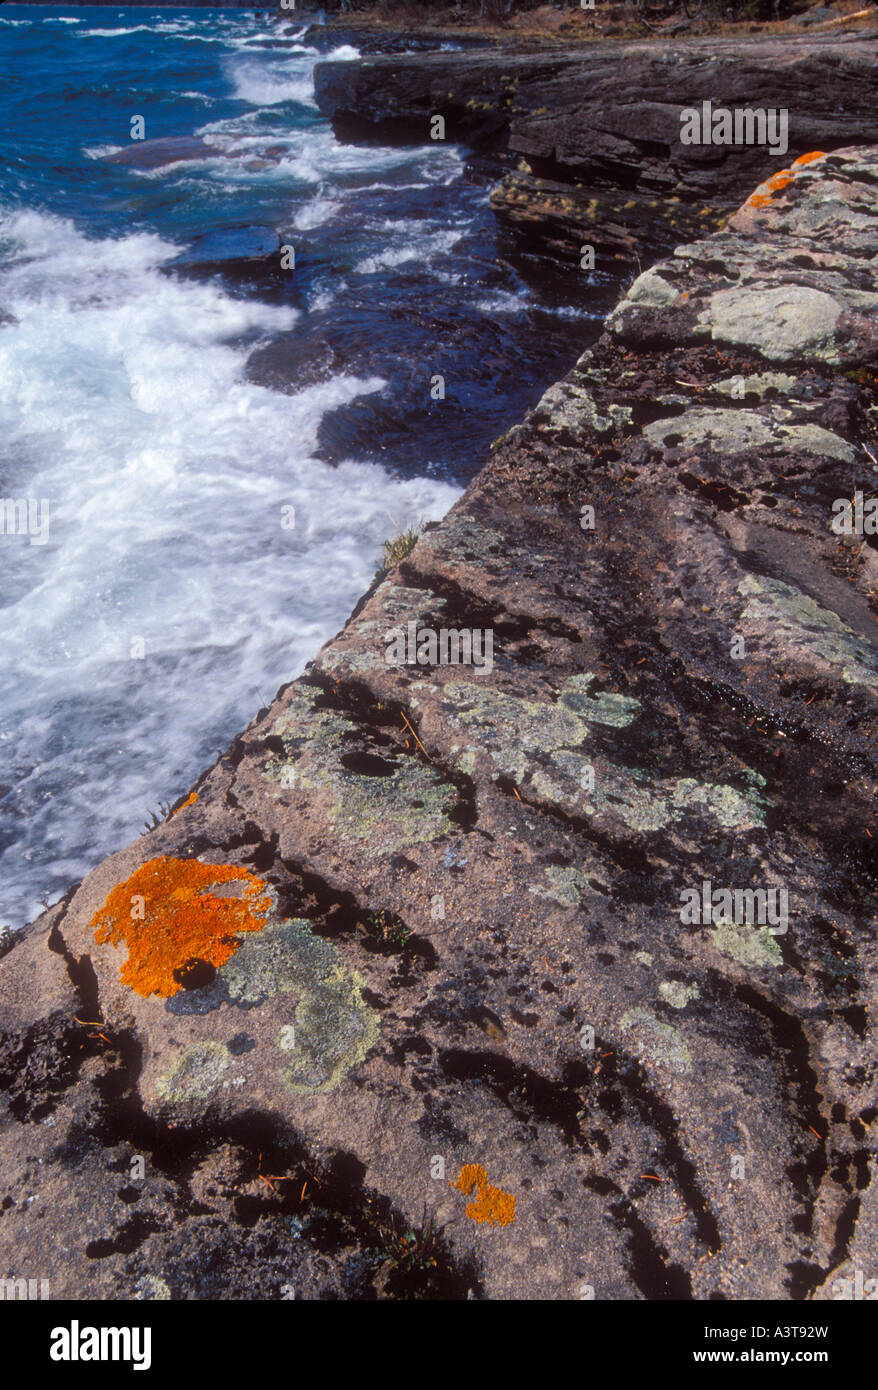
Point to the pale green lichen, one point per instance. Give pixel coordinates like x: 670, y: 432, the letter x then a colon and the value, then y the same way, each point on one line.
x: 651, y: 290
x: 651, y: 805
x: 677, y: 994
x: 796, y: 621
x: 196, y: 1072
x: 643, y: 957
x: 411, y: 805
x: 334, y: 1028
x: 746, y: 944
x: 732, y: 809
x: 570, y: 406
x: 730, y: 431
x: 757, y: 384
x: 539, y: 740
x: 654, y: 1041
x: 784, y: 323
x: 463, y: 538
x: 151, y: 1289
x: 631, y: 795
x: 618, y: 711
x: 567, y: 886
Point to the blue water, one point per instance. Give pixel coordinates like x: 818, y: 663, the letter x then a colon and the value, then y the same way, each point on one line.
x: 168, y: 418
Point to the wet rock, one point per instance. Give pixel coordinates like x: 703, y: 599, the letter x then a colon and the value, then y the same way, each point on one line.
x: 154, y: 154
x: 240, y: 254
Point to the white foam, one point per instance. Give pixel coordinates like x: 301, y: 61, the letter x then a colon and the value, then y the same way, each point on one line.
x: 423, y: 248
x: 316, y: 212
x: 101, y: 151
x: 503, y: 302
x: 112, y: 33
x: 269, y: 84
x: 166, y: 511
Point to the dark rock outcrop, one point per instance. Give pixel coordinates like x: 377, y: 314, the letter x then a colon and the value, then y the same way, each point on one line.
x: 413, y: 952
x: 596, y: 130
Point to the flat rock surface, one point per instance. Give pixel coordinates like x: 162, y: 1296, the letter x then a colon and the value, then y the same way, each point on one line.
x: 402, y: 999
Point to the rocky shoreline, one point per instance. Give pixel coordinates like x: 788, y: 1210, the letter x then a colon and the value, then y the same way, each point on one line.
x: 400, y: 1000
x: 589, y: 136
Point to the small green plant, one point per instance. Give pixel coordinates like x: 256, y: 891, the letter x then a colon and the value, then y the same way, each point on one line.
x: 414, y: 1252
x: 402, y: 545
x: 386, y: 928
x: 395, y: 550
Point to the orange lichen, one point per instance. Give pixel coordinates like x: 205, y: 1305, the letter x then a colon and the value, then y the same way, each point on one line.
x: 491, y: 1204
x: 760, y: 198
x: 764, y: 193
x: 190, y: 801
x: 180, y: 921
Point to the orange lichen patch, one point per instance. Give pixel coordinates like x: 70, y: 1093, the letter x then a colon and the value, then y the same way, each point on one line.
x: 190, y: 801
x: 764, y: 193
x: 181, y: 920
x: 491, y: 1204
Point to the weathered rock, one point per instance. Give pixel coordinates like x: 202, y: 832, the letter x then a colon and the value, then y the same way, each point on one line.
x: 413, y: 949
x: 600, y: 162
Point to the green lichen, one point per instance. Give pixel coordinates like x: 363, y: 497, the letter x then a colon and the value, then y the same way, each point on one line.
x: 630, y: 795
x: 654, y: 1041
x: 678, y: 995
x: 333, y: 1028
x: 411, y: 805
x: 732, y: 809
x: 196, y: 1072
x: 651, y: 805
x: 539, y: 740
x: 748, y: 945
x: 730, y: 431
x: 567, y: 886
x: 463, y: 538
x: 151, y: 1289
x: 757, y: 384
x: 795, y: 621
x: 569, y: 406
x: 618, y: 711
x: 784, y: 323
x: 510, y: 729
